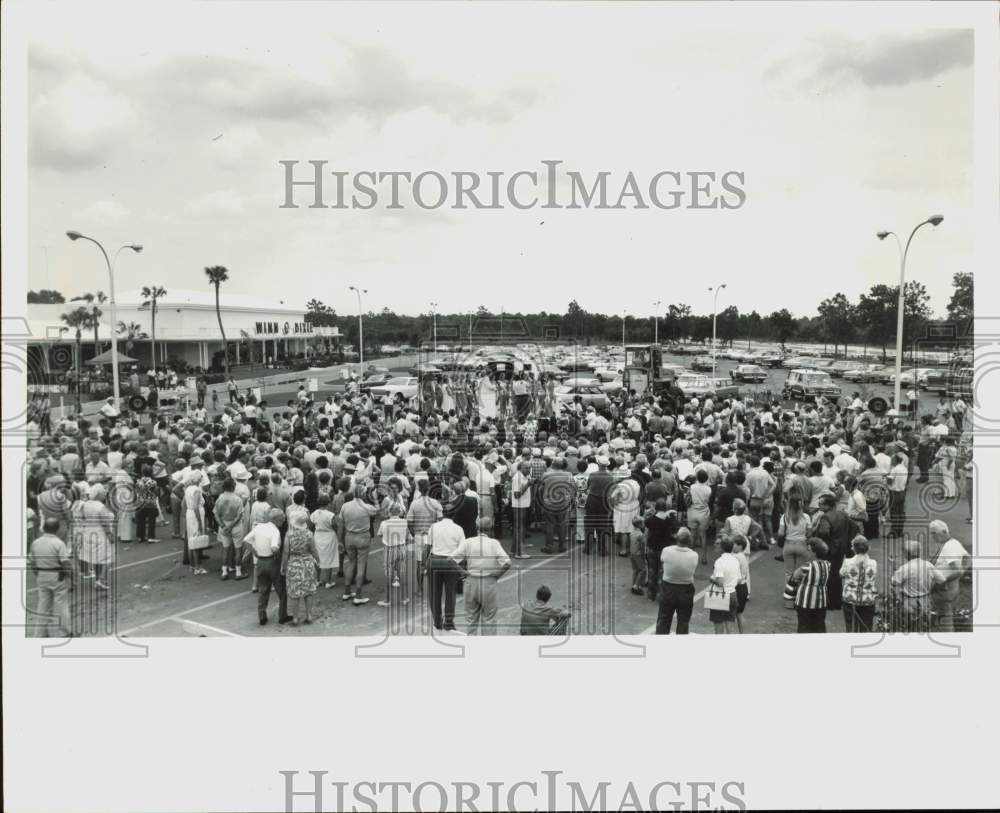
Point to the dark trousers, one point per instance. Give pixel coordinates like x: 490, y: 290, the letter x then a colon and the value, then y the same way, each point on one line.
x: 556, y: 524
x: 871, y: 522
x: 210, y: 522
x: 859, y: 617
x: 268, y: 576
x: 654, y: 575
x: 897, y: 511
x: 675, y: 598
x: 444, y: 581
x: 599, y: 524
x: 834, y: 584
x: 811, y: 620
x: 925, y: 454
x: 145, y: 522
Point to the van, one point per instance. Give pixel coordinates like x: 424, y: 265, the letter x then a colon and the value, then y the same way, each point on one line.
x: 806, y: 385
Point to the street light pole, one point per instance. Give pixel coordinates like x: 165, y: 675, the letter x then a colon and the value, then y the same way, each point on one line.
x: 934, y: 220
x: 656, y: 321
x: 361, y: 333
x: 624, y: 314
x: 715, y: 308
x: 75, y: 235
x: 434, y: 320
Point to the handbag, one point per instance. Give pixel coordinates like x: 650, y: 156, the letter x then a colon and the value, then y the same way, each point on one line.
x: 199, y: 542
x: 716, y: 598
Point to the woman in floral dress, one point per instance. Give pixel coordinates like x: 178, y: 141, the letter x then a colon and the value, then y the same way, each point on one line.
x: 299, y: 560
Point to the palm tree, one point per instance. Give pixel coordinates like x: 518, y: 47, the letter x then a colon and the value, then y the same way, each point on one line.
x: 95, y: 301
x: 77, y: 320
x: 150, y: 293
x: 217, y: 275
x: 132, y: 331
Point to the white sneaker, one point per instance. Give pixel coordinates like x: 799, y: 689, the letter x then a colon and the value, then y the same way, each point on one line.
x: 347, y: 596
x: 383, y: 603
x: 361, y: 600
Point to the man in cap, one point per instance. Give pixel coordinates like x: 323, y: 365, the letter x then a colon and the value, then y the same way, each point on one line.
x: 49, y: 559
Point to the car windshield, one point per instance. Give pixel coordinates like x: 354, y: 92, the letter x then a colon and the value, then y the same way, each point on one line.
x: 816, y: 379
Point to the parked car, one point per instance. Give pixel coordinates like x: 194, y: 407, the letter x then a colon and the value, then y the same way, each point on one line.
x: 960, y: 384
x: 701, y: 386
x: 906, y: 378
x: 613, y: 386
x: 836, y: 368
x: 608, y: 373
x: 374, y: 380
x: 581, y: 381
x: 806, y: 384
x: 399, y: 390
x: 935, y: 380
x: 769, y: 358
x: 590, y: 395
x: 748, y: 372
x: 864, y: 374
x: 796, y: 362
x: 702, y: 363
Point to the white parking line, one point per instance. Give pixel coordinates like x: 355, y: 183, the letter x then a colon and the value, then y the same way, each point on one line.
x: 209, y: 627
x: 136, y: 563
x: 180, y: 616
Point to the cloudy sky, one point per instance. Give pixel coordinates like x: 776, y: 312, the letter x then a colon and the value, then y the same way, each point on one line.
x: 171, y: 136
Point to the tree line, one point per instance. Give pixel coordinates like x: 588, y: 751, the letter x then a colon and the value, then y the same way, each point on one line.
x: 838, y: 321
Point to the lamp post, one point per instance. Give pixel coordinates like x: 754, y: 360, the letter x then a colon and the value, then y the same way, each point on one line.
x: 434, y: 320
x: 934, y: 220
x: 75, y: 235
x: 715, y: 308
x: 656, y: 321
x: 624, y: 314
x: 361, y: 333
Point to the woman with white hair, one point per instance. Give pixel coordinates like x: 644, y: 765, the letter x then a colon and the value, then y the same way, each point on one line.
x: 93, y: 528
x: 299, y: 560
x: 194, y: 514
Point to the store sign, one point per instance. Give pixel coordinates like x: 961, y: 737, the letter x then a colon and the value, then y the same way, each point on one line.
x: 283, y: 328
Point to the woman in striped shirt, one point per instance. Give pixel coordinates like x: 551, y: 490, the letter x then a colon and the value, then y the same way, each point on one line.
x: 810, y: 593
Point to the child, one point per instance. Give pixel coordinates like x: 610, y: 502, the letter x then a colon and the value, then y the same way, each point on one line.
x: 637, y: 553
x: 215, y: 400
x: 743, y: 587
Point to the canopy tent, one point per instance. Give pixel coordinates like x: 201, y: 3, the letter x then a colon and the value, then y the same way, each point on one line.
x: 105, y: 358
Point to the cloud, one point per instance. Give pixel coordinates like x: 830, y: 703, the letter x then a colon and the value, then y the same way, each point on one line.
x: 879, y: 62
x: 902, y: 61
x: 369, y: 81
x: 77, y: 124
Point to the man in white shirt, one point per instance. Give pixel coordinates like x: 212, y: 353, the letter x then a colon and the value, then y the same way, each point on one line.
x: 847, y: 463
x: 109, y: 410
x: 486, y: 562
x: 520, y: 503
x: 445, y: 537
x: 950, y: 560
x: 265, y: 541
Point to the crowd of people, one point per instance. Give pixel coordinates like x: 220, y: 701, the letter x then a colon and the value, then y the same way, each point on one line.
x: 299, y: 495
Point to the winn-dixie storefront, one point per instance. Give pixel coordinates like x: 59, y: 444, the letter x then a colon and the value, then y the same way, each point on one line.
x: 187, y: 336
